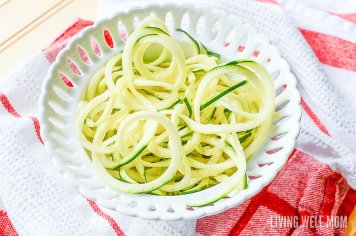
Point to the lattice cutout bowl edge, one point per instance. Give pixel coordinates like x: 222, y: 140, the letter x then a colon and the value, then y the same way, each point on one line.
x: 222, y: 33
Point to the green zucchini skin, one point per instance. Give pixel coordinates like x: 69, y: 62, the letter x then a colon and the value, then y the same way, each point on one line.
x: 241, y: 186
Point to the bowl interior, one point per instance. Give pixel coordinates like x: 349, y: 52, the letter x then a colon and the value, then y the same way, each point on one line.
x: 226, y: 35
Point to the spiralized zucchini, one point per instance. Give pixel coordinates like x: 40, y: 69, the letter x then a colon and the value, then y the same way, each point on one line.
x: 165, y: 116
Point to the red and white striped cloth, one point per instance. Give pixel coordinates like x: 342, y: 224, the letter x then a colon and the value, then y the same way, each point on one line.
x: 37, y: 201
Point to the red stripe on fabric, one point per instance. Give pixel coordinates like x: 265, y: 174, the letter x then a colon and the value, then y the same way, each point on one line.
x: 11, y: 110
x: 83, y: 55
x: 329, y: 195
x: 304, y: 215
x: 268, y: 1
x: 73, y: 67
x: 349, y: 17
x: 314, y: 118
x: 256, y: 53
x: 6, y: 103
x: 241, y: 48
x: 332, y: 50
x: 66, y: 81
x: 78, y: 25
x: 244, y: 219
x: 106, y: 217
x: 36, y: 124
x: 108, y: 38
x: 278, y: 205
x: 6, y: 227
x: 266, y: 199
x: 59, y: 43
x: 348, y: 203
x: 290, y: 232
x: 308, y: 181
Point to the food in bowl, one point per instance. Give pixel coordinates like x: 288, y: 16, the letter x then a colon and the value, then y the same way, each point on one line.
x: 167, y: 116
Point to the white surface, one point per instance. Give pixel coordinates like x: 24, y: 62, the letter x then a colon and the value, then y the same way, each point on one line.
x: 339, y: 78
x: 40, y: 218
x: 37, y: 199
x: 70, y: 158
x: 316, y: 20
x: 335, y: 6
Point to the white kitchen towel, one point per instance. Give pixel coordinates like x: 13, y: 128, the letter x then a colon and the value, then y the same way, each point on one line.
x: 40, y: 202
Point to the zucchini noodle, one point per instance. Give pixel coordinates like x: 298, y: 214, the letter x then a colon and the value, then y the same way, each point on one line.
x: 165, y: 116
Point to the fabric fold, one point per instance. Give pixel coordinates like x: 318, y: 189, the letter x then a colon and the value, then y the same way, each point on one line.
x: 39, y: 201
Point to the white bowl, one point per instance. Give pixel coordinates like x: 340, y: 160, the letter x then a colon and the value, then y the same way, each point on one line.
x: 214, y: 28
